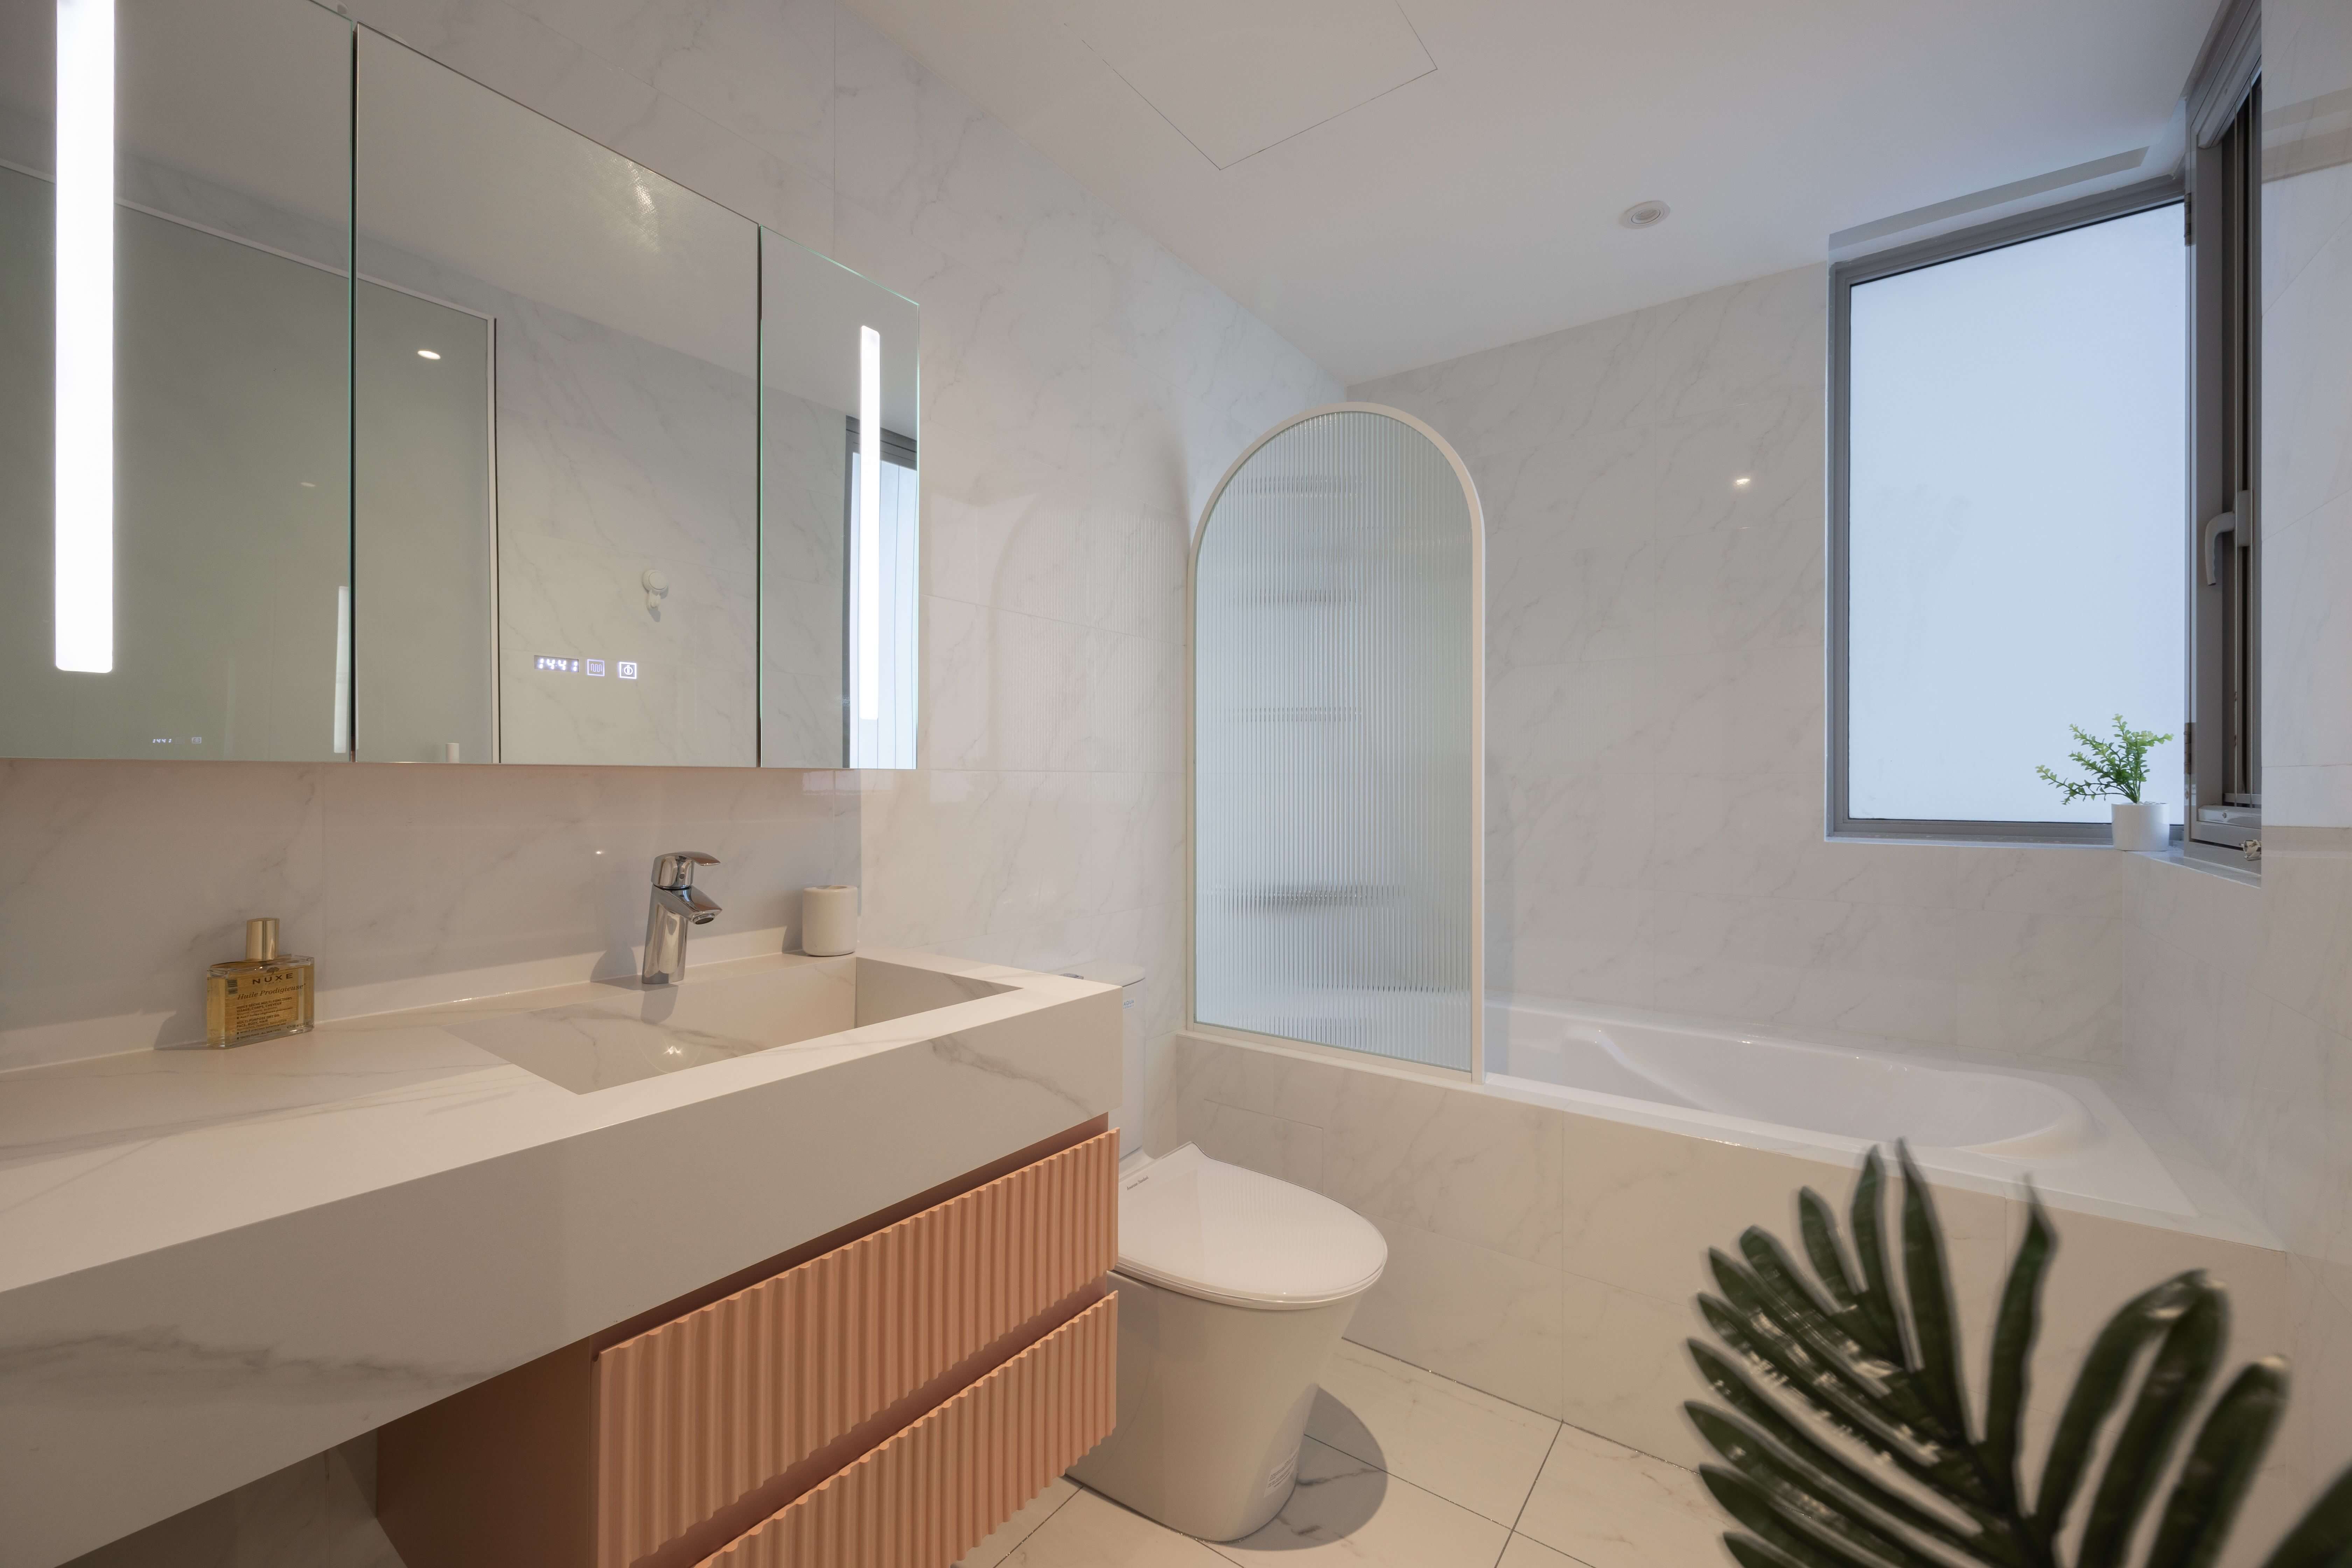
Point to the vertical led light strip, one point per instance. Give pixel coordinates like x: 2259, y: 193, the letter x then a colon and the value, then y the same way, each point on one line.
x: 85, y: 336
x: 869, y: 524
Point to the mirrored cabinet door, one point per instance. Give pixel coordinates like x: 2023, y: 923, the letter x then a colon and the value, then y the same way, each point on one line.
x: 426, y: 541
x: 621, y: 313
x: 839, y: 515
x: 175, y: 541
x: 349, y: 409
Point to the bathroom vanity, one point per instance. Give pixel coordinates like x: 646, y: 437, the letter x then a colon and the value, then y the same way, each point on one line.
x: 624, y: 1275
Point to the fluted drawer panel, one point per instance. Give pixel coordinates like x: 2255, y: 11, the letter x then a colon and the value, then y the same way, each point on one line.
x: 934, y: 1491
x: 696, y: 1413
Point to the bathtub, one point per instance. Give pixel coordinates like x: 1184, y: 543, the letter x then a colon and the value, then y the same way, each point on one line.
x: 1991, y: 1125
x: 1548, y: 1224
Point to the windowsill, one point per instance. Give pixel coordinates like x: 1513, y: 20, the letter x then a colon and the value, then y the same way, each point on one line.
x: 1970, y: 841
x: 2212, y: 860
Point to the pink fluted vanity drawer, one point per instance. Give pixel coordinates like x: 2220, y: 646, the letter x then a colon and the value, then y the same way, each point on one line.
x: 702, y: 1412
x: 936, y: 1490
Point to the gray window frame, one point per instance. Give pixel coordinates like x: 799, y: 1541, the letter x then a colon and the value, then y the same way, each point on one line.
x: 1844, y: 275
x: 2222, y: 793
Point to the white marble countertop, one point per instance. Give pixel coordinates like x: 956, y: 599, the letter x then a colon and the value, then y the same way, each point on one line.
x: 214, y: 1263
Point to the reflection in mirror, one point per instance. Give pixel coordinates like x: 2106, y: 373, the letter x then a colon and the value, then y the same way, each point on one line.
x: 596, y: 395
x: 839, y: 573
x: 426, y: 547
x: 174, y: 533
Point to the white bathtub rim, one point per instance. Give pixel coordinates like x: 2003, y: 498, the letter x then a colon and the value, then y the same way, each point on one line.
x: 2075, y: 1132
x: 2212, y: 1209
x: 2204, y: 1204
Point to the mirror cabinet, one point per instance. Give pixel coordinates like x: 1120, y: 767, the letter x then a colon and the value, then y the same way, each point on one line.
x: 349, y: 409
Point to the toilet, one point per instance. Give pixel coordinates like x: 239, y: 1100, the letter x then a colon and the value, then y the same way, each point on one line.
x: 1232, y: 1289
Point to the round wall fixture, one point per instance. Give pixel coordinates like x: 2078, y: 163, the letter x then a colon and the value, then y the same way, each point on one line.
x: 1644, y: 215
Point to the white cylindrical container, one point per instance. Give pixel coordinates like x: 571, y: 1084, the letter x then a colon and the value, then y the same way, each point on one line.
x: 828, y: 921
x: 2145, y: 825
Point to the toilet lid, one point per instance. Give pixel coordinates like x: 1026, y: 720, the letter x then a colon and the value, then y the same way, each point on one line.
x: 1218, y: 1232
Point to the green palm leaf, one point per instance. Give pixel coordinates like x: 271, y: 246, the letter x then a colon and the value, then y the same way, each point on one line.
x: 1846, y: 1435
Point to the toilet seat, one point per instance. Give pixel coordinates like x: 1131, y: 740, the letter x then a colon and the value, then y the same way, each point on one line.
x: 1219, y: 1233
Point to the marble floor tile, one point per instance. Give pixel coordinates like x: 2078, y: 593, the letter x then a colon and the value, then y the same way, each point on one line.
x: 1021, y: 1526
x: 1608, y: 1507
x: 1092, y: 1532
x: 1525, y: 1551
x: 1468, y: 1447
x: 1348, y: 1512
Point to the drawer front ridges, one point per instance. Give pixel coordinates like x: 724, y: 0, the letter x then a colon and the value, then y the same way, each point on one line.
x: 936, y: 1490
x: 696, y: 1414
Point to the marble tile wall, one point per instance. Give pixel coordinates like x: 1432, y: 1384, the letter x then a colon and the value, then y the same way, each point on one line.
x: 1082, y: 391
x: 120, y: 881
x: 1655, y: 710
x: 2239, y: 1013
x: 2307, y: 471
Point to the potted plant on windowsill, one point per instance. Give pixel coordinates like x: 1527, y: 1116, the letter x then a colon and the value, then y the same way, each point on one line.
x: 2119, y: 768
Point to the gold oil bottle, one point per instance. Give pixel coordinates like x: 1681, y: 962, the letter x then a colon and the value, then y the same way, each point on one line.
x: 260, y: 996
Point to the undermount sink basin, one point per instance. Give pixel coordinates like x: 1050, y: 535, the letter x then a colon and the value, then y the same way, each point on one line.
x: 616, y: 1031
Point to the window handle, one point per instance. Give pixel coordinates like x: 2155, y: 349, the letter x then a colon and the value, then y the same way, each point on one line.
x: 2223, y: 522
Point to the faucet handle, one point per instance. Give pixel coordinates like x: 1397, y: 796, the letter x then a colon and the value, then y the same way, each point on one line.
x: 674, y: 871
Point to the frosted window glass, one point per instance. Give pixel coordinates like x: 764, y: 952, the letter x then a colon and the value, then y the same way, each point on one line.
x: 2016, y: 522
x: 1334, y: 635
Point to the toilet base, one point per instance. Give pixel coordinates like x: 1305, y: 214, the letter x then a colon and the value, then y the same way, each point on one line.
x: 1212, y: 1404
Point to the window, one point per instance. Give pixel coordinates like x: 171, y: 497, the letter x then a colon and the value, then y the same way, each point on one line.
x: 2008, y: 463
x: 2224, y: 777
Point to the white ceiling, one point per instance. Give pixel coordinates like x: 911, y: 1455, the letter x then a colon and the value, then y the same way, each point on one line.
x: 1391, y: 184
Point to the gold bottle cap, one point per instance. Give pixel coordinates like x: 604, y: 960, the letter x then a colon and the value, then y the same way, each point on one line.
x: 261, y: 938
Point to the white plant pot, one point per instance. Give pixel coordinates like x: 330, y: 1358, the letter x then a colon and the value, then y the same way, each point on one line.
x: 2144, y: 826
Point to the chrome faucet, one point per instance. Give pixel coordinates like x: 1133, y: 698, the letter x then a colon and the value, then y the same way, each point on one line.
x: 676, y: 903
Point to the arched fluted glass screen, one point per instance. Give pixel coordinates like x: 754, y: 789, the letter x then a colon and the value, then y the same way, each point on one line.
x: 1334, y: 630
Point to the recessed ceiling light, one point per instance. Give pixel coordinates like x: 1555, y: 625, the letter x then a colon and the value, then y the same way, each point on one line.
x: 426, y: 353
x: 1644, y: 215
x: 1740, y: 483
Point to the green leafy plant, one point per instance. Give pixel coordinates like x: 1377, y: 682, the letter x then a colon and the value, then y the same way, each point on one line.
x: 1881, y: 1466
x: 2117, y: 767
